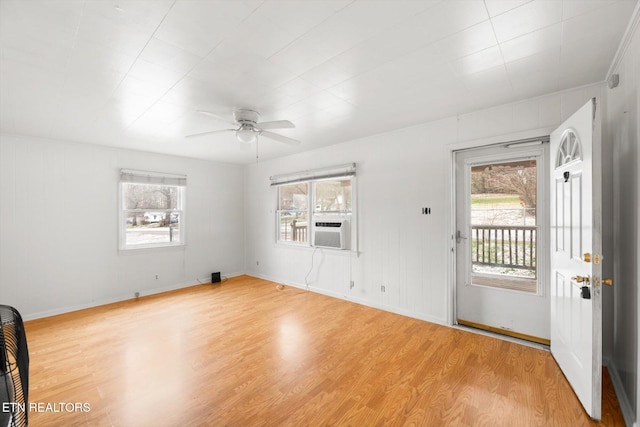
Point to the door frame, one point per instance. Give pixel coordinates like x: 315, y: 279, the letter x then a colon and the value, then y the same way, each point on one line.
x: 450, y: 229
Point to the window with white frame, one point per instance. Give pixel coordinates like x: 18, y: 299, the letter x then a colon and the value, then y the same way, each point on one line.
x: 293, y: 212
x: 152, y: 209
x: 311, y: 200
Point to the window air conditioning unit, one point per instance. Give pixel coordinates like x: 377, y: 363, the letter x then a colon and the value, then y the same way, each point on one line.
x: 331, y: 233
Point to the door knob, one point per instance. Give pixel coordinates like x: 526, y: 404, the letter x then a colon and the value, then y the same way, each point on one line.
x: 586, y: 257
x: 581, y: 279
x: 459, y: 237
x: 608, y: 282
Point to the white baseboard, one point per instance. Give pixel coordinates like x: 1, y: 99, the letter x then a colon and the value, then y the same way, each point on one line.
x: 623, y: 399
x: 361, y: 301
x: 121, y: 297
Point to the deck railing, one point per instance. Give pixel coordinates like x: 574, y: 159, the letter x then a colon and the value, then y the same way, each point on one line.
x: 504, y: 246
x: 293, y: 231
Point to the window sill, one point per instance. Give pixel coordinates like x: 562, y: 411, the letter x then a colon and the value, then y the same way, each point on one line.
x: 145, y: 249
x: 293, y: 244
x: 308, y: 247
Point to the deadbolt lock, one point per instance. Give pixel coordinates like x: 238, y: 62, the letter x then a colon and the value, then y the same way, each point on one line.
x: 581, y: 279
x: 586, y: 257
x: 608, y: 282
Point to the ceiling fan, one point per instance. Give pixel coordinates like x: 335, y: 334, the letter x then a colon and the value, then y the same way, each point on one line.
x: 249, y: 128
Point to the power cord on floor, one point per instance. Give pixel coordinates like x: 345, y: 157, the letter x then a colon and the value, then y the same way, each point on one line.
x: 306, y: 283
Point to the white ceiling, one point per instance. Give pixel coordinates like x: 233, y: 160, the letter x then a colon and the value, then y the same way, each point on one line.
x: 133, y: 73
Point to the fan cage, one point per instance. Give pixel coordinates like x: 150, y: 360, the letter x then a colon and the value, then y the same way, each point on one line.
x: 14, y: 368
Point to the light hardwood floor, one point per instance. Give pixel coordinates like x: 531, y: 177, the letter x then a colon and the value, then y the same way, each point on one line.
x: 244, y: 353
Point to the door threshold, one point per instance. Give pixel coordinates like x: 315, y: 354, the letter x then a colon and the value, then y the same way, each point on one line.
x: 520, y: 337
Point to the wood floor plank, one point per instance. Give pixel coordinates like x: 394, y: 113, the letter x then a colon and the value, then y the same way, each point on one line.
x: 245, y: 353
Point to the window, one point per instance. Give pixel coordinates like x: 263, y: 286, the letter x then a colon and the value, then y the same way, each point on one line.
x: 313, y: 196
x: 293, y: 204
x: 333, y: 197
x: 569, y: 149
x: 152, y: 213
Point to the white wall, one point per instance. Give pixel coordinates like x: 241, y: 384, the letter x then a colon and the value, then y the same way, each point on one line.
x: 398, y: 174
x: 623, y: 117
x: 59, y: 226
x: 393, y: 236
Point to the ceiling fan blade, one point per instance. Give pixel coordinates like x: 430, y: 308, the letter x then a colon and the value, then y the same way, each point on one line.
x: 276, y: 124
x: 215, y: 116
x: 280, y: 138
x: 209, y: 132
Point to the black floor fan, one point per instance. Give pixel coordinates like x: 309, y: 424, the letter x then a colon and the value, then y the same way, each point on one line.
x: 14, y: 369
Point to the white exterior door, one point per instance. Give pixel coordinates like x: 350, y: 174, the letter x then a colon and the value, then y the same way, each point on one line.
x: 494, y: 245
x: 576, y: 244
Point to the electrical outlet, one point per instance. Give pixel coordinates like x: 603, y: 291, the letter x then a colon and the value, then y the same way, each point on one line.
x: 257, y: 262
x: 383, y: 288
x: 351, y: 284
x: 157, y: 276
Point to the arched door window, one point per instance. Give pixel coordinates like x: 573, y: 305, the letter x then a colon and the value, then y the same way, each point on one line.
x: 569, y: 149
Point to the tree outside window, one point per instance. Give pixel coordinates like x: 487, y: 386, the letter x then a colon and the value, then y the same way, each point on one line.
x: 152, y: 215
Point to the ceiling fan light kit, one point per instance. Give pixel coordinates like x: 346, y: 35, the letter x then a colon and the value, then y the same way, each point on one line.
x: 246, y: 134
